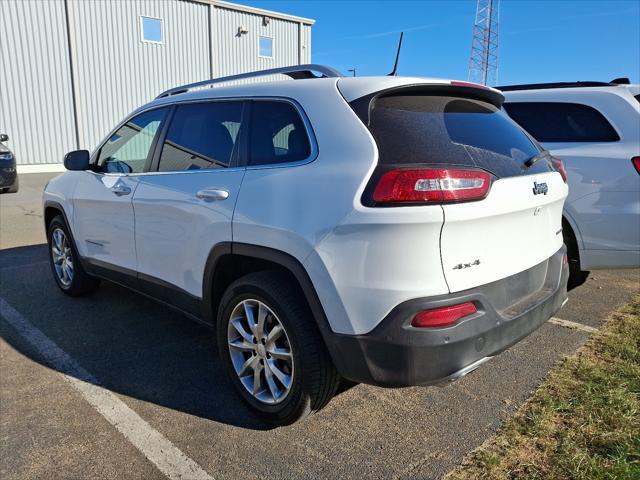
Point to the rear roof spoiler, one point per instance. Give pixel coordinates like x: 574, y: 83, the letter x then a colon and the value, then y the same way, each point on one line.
x: 362, y: 106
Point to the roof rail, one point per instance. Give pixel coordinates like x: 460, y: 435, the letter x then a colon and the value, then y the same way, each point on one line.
x: 297, y: 72
x: 543, y: 86
x: 621, y: 81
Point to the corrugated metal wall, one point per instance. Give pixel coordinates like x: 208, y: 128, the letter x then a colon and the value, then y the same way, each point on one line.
x: 36, y: 108
x: 111, y: 69
x: 306, y: 43
x: 239, y: 53
x: 117, y: 72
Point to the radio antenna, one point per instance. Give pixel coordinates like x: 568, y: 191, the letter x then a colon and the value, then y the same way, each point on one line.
x: 395, y: 65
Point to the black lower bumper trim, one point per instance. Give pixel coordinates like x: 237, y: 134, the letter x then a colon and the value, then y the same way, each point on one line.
x: 396, y: 354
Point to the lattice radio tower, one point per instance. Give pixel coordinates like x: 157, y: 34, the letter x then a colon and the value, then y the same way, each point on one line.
x: 483, y: 64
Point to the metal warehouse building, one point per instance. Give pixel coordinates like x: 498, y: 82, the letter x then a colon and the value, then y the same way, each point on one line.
x: 71, y: 69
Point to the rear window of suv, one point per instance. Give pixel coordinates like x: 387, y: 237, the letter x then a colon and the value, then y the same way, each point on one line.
x: 562, y: 122
x: 450, y: 130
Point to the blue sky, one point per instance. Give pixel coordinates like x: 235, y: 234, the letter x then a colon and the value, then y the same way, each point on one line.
x: 540, y: 41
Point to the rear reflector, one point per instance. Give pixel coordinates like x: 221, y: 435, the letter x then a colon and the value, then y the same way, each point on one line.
x: 431, y: 186
x: 441, y: 317
x: 636, y: 163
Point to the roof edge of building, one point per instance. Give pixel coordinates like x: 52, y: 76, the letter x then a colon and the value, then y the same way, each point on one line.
x: 258, y: 11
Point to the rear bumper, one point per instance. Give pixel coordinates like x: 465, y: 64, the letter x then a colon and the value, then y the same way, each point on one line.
x: 396, y: 354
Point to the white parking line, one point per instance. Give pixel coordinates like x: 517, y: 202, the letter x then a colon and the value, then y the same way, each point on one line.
x: 573, y: 325
x: 171, y: 461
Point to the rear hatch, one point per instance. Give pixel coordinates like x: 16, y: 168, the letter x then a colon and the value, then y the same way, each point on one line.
x: 502, y: 197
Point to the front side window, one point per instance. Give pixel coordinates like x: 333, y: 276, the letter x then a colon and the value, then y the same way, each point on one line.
x: 128, y: 149
x: 278, y: 134
x: 151, y: 29
x: 265, y: 45
x: 562, y: 122
x: 201, y: 135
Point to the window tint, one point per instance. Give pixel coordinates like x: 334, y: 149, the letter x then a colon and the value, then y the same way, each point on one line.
x: 435, y: 129
x: 127, y: 149
x: 201, y: 135
x: 278, y: 134
x: 265, y: 46
x: 151, y: 29
x: 562, y: 122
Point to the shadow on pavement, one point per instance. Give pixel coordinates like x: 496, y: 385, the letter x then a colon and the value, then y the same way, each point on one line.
x: 132, y: 345
x: 576, y: 279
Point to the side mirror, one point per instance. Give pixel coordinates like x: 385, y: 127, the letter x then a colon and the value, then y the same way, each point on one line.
x: 77, y: 160
x: 4, y: 137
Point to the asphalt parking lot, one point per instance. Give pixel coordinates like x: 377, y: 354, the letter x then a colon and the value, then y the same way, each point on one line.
x: 161, y: 370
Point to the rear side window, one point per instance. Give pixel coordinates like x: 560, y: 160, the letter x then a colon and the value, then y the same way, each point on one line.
x: 562, y: 122
x: 201, y: 135
x: 277, y: 134
x: 447, y: 130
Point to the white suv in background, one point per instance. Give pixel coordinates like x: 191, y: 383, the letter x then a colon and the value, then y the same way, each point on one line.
x: 393, y: 231
x: 594, y: 127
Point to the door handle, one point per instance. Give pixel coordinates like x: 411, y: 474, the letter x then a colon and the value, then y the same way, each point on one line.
x: 212, y: 194
x: 121, y: 190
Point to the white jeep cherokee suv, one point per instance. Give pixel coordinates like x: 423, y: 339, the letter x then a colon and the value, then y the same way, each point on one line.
x: 392, y: 231
x: 594, y: 127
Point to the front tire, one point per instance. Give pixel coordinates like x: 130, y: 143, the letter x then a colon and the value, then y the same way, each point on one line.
x: 64, y: 261
x: 272, y: 349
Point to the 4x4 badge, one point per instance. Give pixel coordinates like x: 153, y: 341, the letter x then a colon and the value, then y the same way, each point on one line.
x: 539, y: 188
x: 460, y: 266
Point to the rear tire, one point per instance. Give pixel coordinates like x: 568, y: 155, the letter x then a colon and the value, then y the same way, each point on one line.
x: 65, y: 262
x: 309, y: 378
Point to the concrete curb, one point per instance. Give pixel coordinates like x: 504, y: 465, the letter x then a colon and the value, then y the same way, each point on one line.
x: 41, y: 168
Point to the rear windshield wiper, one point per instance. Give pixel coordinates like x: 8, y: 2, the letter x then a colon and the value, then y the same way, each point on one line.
x: 539, y: 156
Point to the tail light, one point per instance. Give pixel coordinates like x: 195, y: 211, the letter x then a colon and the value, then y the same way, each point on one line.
x: 559, y: 166
x: 431, y: 186
x: 443, y: 316
x: 636, y: 163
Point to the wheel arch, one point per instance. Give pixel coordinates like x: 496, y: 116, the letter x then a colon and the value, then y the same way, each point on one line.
x: 51, y: 210
x: 568, y: 218
x: 228, y: 261
x: 569, y: 227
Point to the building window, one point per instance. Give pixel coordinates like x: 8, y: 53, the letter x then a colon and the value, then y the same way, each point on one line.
x: 266, y: 47
x: 151, y: 29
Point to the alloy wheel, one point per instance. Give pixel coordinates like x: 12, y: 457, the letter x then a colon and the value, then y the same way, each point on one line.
x: 260, y: 351
x: 62, y: 257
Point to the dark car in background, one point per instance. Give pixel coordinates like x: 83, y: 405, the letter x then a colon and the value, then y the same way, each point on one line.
x: 8, y: 172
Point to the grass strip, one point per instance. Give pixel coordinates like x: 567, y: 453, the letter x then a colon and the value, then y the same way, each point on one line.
x: 582, y: 423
